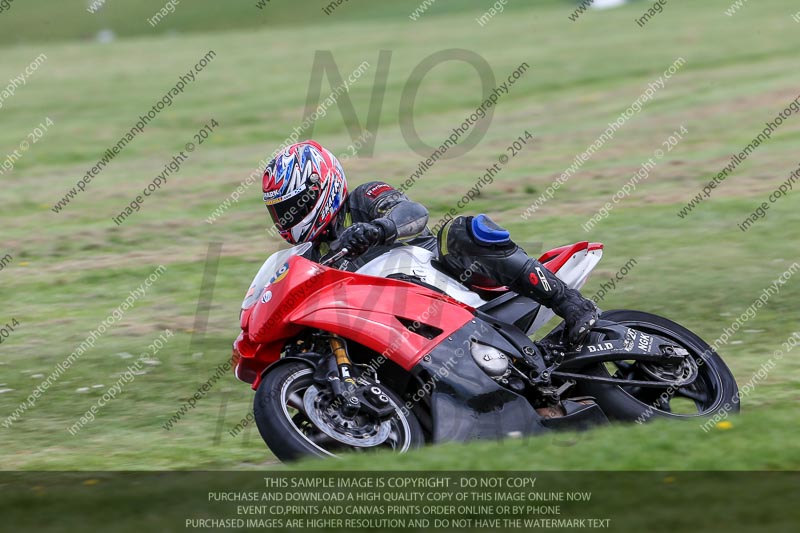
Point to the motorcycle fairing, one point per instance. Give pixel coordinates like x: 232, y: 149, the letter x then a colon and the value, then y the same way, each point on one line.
x: 400, y: 320
x: 417, y: 262
x: 380, y: 314
x: 464, y: 402
x: 287, y: 285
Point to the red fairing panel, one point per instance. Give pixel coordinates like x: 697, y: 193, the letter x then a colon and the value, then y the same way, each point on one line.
x: 250, y: 359
x: 562, y: 254
x: 555, y: 259
x: 284, y: 293
x: 361, y: 308
x: 370, y: 316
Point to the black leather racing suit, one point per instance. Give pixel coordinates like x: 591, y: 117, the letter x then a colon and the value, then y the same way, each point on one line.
x: 377, y: 200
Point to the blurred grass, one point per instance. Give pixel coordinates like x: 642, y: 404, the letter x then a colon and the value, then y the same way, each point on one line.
x: 48, y: 20
x: 70, y: 270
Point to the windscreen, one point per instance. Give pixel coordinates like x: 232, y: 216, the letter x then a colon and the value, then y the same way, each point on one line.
x: 269, y: 268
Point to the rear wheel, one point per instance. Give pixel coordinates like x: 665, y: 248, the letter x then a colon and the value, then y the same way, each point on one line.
x: 713, y: 390
x: 298, y: 417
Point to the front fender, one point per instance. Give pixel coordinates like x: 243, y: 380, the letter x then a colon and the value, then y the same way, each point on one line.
x: 284, y: 361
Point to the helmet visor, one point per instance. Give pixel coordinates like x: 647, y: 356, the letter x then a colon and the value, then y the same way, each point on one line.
x: 290, y: 209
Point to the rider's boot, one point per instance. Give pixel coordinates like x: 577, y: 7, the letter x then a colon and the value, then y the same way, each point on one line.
x: 479, y: 245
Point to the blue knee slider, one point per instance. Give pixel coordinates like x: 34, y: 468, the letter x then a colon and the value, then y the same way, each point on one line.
x: 487, y: 232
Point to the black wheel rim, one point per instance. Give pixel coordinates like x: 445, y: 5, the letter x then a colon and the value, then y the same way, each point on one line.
x: 704, y: 394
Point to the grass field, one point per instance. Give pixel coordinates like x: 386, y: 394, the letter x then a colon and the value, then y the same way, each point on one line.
x: 69, y: 270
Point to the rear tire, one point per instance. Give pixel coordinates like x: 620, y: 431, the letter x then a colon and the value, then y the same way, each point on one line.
x: 287, y: 430
x: 713, y: 391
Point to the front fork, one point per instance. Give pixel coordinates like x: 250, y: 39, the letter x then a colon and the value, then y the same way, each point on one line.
x: 353, y: 397
x: 341, y: 376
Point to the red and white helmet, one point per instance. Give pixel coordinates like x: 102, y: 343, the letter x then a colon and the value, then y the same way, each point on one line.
x: 304, y: 189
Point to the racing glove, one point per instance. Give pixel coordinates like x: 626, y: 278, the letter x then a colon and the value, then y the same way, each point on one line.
x: 359, y: 237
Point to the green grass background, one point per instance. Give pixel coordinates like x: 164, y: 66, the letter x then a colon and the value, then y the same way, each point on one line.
x: 70, y: 270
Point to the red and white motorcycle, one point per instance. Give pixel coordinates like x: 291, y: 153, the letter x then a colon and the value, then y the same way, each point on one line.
x: 399, y: 353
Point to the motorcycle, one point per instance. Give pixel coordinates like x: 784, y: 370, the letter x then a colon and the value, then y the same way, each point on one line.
x: 400, y: 353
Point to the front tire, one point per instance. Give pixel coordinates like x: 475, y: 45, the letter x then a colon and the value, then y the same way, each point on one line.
x: 714, y: 390
x: 281, y: 411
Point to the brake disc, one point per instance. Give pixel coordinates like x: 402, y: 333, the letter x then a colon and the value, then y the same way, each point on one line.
x: 345, y: 430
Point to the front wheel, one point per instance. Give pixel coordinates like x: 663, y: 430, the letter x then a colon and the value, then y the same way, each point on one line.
x: 713, y: 391
x: 298, y: 417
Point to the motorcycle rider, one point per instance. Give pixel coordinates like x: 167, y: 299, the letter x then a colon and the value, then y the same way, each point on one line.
x: 306, y: 194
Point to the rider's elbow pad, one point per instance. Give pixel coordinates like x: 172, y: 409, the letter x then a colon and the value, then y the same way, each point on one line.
x: 410, y: 218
